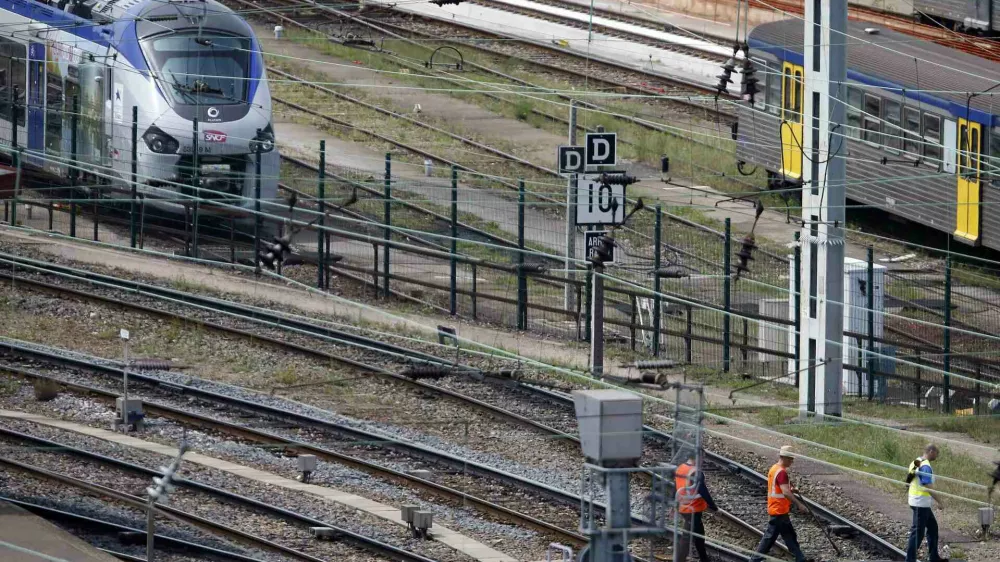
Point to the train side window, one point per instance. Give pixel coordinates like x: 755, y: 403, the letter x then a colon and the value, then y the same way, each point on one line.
x: 991, y: 165
x: 872, y: 125
x: 974, y: 154
x: 797, y: 110
x: 933, y: 150
x: 19, y: 77
x: 855, y: 99
x: 773, y: 89
x: 789, y: 91
x: 54, y: 112
x: 963, y: 150
x: 760, y: 100
x: 892, y: 134
x: 911, y: 132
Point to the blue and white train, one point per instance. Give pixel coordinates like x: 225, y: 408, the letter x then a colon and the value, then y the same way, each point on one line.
x: 184, y: 64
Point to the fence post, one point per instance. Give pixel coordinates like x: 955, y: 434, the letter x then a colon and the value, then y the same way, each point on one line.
x: 17, y: 185
x: 688, y: 331
x: 375, y: 267
x: 387, y: 214
x: 475, y: 312
x: 522, y: 280
x: 657, y: 302
x: 132, y: 234
x: 920, y: 370
x: 256, y: 206
x: 195, y: 183
x: 871, y: 323
x: 453, y: 265
x: 74, y: 171
x: 15, y: 112
x: 321, y: 232
x: 947, y: 335
x: 726, y: 288
x: 95, y: 194
x: 590, y: 296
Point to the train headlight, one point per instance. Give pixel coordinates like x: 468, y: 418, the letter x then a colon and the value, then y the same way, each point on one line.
x: 160, y: 142
x: 264, y: 141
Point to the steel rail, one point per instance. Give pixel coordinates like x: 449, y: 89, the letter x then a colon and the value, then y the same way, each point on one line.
x: 268, y: 438
x: 357, y: 539
x: 605, y: 29
x: 417, y: 122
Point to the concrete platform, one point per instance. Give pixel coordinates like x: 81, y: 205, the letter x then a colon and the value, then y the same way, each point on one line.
x: 25, y: 537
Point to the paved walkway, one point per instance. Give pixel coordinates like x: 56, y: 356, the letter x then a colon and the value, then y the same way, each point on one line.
x: 465, y: 545
x: 25, y: 537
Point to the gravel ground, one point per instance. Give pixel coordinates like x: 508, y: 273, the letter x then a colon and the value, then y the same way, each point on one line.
x: 515, y: 541
x: 26, y: 487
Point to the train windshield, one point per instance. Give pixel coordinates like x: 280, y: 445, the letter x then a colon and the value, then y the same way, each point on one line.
x: 206, y: 68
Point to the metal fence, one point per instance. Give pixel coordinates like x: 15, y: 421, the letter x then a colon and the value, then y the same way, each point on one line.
x: 923, y: 337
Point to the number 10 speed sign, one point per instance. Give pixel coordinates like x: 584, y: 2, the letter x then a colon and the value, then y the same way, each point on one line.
x: 597, y: 203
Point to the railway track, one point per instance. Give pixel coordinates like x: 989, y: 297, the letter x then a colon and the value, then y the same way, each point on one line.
x: 338, y: 25
x: 551, y: 413
x: 318, y: 551
x: 115, y: 530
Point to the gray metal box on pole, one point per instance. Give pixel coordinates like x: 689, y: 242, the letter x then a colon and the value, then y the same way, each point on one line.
x: 610, y: 424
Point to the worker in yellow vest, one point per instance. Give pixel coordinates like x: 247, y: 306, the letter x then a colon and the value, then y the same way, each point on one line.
x: 693, y: 498
x: 921, y: 500
x: 780, y: 497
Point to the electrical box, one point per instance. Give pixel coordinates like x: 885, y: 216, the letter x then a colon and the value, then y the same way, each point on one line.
x: 406, y: 512
x: 129, y: 411
x: 423, y: 520
x: 856, y: 291
x: 307, y: 463
x: 610, y: 424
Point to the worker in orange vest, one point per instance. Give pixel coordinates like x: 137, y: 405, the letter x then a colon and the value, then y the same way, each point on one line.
x: 780, y: 497
x: 692, y: 499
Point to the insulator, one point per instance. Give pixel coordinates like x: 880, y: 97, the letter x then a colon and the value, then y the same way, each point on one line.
x: 151, y: 364
x: 655, y: 364
x: 618, y: 179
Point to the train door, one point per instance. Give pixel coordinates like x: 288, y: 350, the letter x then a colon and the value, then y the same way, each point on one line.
x: 36, y: 97
x: 968, y: 183
x: 791, y: 120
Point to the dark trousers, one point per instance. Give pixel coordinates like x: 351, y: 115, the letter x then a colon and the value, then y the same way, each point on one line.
x: 692, y: 525
x: 924, y: 522
x: 779, y: 525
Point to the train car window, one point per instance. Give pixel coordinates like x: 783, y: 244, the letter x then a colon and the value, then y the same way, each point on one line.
x: 963, y: 150
x: 891, y: 133
x: 53, y: 111
x: 872, y: 125
x: 933, y: 149
x: 974, y: 150
x: 4, y: 81
x: 760, y: 101
x: 773, y: 90
x: 991, y: 166
x: 797, y: 110
x: 855, y: 99
x: 19, y: 77
x: 789, y: 90
x: 911, y: 128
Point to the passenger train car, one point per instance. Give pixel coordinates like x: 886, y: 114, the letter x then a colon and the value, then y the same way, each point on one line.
x: 180, y: 62
x: 916, y: 145
x: 961, y: 15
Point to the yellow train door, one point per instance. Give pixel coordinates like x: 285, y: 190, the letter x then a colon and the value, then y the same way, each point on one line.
x: 791, y: 120
x: 968, y: 183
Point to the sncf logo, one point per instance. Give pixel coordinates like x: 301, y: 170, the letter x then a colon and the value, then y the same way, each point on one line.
x: 215, y: 136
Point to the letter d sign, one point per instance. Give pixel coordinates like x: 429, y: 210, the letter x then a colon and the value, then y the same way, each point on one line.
x: 602, y: 149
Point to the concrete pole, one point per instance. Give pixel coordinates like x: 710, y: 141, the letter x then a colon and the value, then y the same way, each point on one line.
x: 571, y: 183
x: 823, y: 197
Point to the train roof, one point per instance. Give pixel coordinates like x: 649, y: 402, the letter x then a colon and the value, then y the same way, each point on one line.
x: 888, y: 59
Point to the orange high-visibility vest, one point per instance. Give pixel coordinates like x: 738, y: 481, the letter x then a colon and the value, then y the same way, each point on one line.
x: 777, y: 503
x: 689, y: 500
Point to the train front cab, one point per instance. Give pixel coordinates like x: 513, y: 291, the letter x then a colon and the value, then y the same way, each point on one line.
x: 968, y: 182
x: 791, y: 121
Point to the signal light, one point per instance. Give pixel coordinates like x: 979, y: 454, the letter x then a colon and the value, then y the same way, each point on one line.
x: 745, y: 255
x: 748, y: 85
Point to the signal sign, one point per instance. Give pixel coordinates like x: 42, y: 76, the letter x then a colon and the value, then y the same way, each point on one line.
x: 602, y: 149
x: 592, y: 239
x: 599, y: 203
x: 570, y: 159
